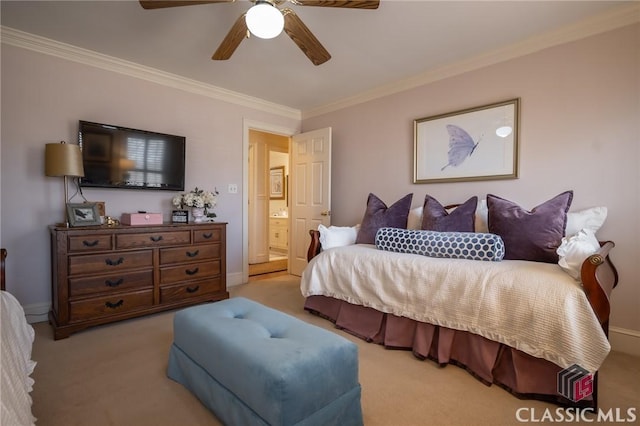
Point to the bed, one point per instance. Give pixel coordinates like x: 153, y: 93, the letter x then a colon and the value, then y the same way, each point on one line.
x: 17, y: 365
x: 518, y: 324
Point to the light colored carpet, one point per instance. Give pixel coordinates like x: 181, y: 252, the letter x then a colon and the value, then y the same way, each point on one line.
x: 116, y: 375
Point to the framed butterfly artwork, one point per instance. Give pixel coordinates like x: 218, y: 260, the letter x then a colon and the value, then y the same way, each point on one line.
x: 478, y: 143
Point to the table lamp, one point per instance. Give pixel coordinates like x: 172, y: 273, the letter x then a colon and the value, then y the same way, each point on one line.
x: 63, y: 159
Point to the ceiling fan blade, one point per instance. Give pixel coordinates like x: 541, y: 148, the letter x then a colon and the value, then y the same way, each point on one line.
x: 355, y: 4
x: 302, y: 36
x: 232, y: 40
x: 160, y: 4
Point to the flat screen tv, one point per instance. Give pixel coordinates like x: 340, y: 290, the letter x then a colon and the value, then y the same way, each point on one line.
x: 119, y: 157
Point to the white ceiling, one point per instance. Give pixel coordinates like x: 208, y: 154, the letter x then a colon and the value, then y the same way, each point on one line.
x: 370, y: 48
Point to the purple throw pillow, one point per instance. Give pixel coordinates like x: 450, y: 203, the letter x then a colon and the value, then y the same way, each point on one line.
x: 378, y: 215
x: 436, y: 218
x: 530, y: 235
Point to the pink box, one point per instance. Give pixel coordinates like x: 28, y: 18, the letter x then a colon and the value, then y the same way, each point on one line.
x: 141, y: 219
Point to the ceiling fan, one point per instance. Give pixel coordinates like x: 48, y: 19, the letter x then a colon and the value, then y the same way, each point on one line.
x: 254, y: 22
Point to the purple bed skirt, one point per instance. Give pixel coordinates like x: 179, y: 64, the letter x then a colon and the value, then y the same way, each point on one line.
x: 523, y: 375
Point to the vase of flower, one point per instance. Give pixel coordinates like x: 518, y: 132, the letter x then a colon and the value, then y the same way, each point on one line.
x: 200, y: 201
x: 198, y: 214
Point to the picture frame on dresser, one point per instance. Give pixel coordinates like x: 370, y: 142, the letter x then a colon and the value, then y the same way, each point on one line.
x: 83, y: 214
x: 179, y: 216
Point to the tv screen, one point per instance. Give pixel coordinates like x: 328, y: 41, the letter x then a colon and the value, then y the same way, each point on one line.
x: 119, y: 157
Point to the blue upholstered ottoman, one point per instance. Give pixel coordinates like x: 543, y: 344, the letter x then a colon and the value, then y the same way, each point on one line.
x: 253, y: 365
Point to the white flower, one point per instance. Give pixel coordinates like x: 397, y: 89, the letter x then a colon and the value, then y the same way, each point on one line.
x: 177, y: 200
x: 197, y: 198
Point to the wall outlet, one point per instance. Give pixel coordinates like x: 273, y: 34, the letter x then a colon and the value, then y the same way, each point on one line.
x: 233, y: 188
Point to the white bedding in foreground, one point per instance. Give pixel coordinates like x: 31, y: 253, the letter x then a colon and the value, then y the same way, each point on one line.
x: 17, y: 366
x: 531, y: 306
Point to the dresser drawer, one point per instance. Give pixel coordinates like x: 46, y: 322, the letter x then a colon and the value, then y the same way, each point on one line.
x: 101, y: 263
x: 189, y: 254
x: 207, y: 235
x: 152, y: 239
x: 109, y: 305
x: 192, y: 271
x: 84, y: 243
x: 195, y: 289
x: 110, y: 283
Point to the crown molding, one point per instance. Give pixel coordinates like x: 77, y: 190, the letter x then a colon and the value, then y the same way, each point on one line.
x: 17, y: 38
x: 617, y: 18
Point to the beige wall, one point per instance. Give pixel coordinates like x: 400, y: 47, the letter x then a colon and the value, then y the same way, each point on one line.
x: 43, y: 97
x: 580, y: 130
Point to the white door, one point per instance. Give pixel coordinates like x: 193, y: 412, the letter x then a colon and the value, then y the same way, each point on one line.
x: 258, y: 203
x: 310, y: 192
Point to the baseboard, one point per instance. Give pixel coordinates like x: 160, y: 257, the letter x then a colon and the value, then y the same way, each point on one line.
x: 234, y: 279
x: 38, y: 312
x: 624, y: 340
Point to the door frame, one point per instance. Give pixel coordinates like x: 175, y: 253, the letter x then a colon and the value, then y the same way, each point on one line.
x: 248, y: 124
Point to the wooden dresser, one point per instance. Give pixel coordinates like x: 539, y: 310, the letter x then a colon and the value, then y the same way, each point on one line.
x: 110, y: 273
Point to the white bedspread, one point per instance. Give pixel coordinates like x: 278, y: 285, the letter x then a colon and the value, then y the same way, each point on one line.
x: 17, y: 366
x: 531, y: 306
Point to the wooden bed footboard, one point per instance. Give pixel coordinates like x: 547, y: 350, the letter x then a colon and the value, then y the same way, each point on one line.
x: 314, y: 247
x: 599, y: 277
x: 3, y: 255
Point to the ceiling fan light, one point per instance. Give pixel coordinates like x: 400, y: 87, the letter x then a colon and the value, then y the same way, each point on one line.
x: 264, y: 20
x: 504, y: 131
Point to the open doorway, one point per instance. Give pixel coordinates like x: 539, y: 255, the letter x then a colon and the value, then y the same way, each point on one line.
x: 268, y: 205
x: 309, y: 190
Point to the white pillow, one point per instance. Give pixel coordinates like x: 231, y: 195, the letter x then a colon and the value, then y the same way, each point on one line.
x: 591, y: 219
x: 337, y: 236
x: 575, y: 249
x: 414, y: 220
x: 482, y: 217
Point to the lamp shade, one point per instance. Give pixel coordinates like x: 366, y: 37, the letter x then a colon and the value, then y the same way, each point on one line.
x: 264, y: 20
x: 63, y: 159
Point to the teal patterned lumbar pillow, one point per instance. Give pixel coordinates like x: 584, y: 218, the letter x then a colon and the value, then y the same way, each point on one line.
x: 454, y: 245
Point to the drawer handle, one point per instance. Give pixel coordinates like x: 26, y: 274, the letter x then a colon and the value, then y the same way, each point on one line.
x: 191, y: 271
x: 114, y: 263
x: 110, y: 283
x: 114, y: 305
x: 193, y: 253
x: 90, y: 243
x: 156, y: 239
x: 208, y: 235
x: 193, y: 289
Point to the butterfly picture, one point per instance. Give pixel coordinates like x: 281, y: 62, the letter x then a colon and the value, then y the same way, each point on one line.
x: 461, y: 146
